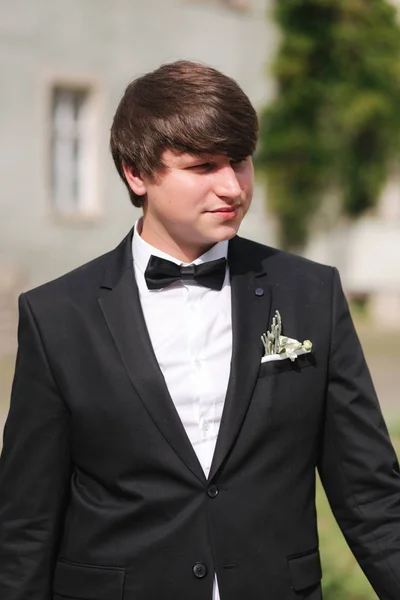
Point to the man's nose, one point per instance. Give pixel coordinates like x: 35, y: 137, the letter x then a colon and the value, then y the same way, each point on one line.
x: 227, y: 184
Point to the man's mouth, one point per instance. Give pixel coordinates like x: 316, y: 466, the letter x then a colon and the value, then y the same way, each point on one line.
x: 226, y: 212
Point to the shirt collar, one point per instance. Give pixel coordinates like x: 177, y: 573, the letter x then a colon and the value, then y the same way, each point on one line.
x: 142, y: 251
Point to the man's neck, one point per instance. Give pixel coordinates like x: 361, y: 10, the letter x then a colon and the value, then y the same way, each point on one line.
x: 172, y: 247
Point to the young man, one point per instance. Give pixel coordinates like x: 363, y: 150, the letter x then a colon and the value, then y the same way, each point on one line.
x: 152, y: 451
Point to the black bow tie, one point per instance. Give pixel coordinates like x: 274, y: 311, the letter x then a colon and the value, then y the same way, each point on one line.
x: 161, y: 272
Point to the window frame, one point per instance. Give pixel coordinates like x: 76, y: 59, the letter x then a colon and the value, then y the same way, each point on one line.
x: 89, y: 206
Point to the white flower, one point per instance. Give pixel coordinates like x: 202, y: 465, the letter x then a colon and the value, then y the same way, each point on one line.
x: 291, y: 348
x: 287, y: 344
x: 292, y: 354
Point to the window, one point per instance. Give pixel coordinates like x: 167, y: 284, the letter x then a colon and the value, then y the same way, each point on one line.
x: 73, y: 151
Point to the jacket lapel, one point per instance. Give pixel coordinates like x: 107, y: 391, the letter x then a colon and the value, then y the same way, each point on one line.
x: 251, y: 315
x: 123, y: 313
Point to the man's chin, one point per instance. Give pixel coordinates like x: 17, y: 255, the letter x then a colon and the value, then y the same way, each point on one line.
x: 227, y: 231
x: 206, y: 238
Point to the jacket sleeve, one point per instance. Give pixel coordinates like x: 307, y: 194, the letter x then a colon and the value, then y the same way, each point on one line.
x: 358, y: 466
x: 34, y: 470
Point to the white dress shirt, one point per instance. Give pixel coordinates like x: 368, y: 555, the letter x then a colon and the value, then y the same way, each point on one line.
x: 190, y: 328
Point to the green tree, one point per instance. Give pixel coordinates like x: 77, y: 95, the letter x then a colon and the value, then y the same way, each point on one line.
x: 335, y: 121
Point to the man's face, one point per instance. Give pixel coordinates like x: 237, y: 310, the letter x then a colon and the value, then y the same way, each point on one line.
x: 197, y: 201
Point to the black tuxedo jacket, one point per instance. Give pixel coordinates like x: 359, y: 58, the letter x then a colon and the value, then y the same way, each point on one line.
x: 101, y: 493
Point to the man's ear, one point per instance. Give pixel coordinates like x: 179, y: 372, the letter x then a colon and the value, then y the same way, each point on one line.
x: 135, y: 181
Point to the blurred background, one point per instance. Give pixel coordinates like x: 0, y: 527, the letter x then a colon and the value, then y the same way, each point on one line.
x: 324, y: 76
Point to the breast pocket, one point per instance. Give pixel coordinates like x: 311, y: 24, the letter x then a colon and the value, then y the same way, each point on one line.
x: 87, y: 582
x: 275, y: 367
x: 289, y: 395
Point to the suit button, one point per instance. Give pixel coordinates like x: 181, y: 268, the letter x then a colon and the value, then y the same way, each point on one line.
x: 199, y: 570
x: 213, y: 491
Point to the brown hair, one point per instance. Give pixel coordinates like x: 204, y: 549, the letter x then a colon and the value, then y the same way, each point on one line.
x: 185, y: 107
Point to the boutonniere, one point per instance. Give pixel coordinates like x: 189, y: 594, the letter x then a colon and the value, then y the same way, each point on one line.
x: 278, y: 346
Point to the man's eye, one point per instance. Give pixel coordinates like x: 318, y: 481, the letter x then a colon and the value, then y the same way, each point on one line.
x: 204, y: 166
